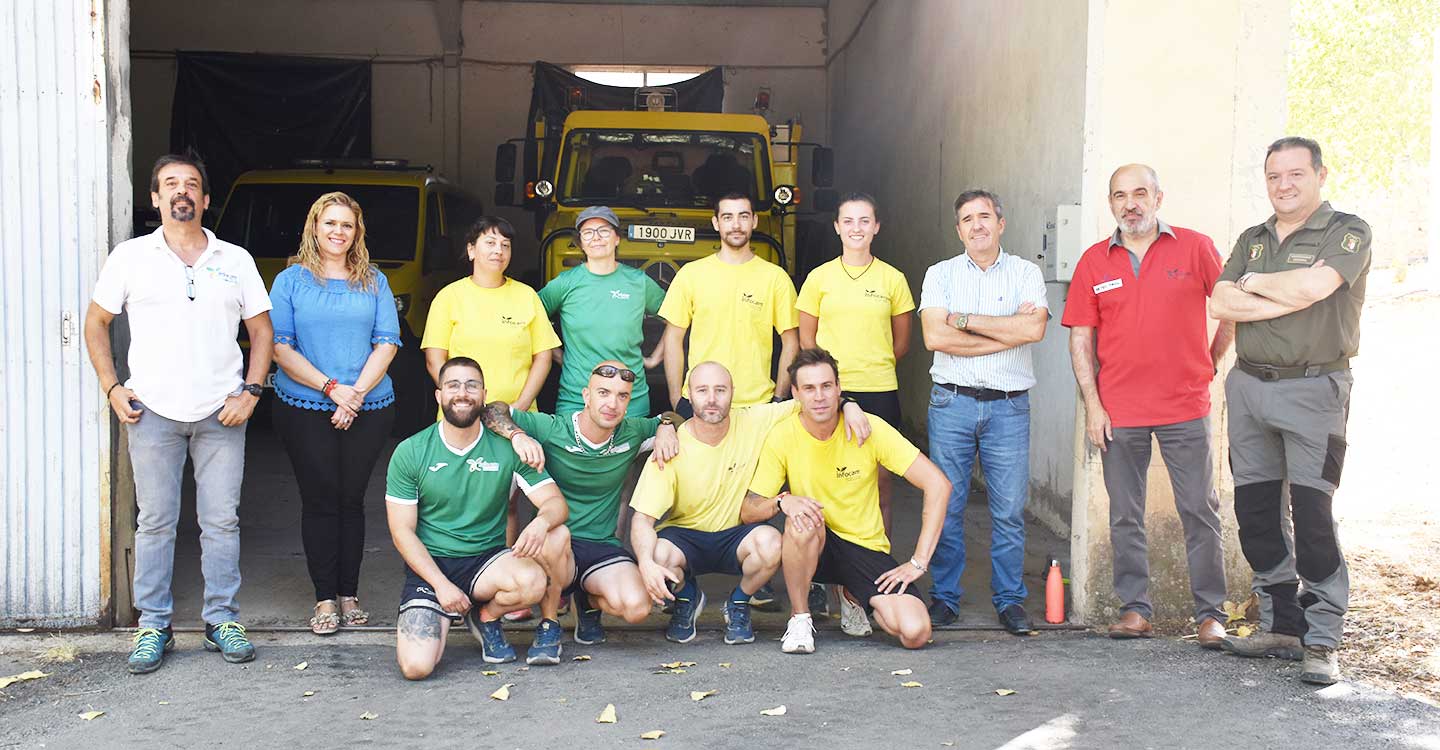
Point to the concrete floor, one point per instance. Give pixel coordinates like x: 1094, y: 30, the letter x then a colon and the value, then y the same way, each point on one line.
x: 276, y: 591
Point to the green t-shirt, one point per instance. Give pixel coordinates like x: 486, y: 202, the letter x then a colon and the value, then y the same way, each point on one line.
x: 461, y: 492
x: 590, y: 476
x: 601, y: 317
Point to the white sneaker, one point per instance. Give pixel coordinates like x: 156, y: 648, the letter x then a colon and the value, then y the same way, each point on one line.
x: 799, y: 635
x: 853, y: 620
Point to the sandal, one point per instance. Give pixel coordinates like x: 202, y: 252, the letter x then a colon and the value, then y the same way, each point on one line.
x: 354, y: 616
x: 325, y: 622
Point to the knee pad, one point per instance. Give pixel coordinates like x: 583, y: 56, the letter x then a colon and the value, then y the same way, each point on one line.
x: 1317, y: 553
x: 1257, y: 510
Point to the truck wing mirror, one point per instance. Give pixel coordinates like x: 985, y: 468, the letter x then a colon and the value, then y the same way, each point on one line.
x: 505, y: 162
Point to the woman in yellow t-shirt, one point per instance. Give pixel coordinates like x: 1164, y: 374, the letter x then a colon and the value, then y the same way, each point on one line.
x: 858, y: 308
x: 495, y: 320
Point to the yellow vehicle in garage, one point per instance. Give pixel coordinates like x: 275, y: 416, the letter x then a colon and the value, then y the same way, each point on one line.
x: 415, y: 223
x: 660, y: 170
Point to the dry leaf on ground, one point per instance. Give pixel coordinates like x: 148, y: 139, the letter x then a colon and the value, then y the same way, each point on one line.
x: 503, y: 693
x: 302, y: 666
x: 902, y: 672
x: 369, y: 716
x: 607, y: 716
x: 307, y: 693
x: 1004, y: 691
x: 776, y: 711
x: 912, y: 684
x: 677, y: 664
x: 653, y: 734
x: 490, y: 672
x: 582, y: 657
x: 91, y: 715
x: 699, y: 695
x: 725, y: 664
x: 33, y: 674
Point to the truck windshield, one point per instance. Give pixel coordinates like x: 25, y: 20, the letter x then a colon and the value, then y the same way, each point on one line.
x: 267, y: 218
x: 662, y: 168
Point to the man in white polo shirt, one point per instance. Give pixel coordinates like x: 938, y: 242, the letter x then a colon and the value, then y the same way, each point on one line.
x: 185, y: 293
x: 980, y: 311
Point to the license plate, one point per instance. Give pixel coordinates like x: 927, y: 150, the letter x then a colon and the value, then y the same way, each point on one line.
x: 269, y: 380
x: 650, y: 233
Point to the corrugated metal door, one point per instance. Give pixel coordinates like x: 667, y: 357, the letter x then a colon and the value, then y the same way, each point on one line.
x: 55, y: 228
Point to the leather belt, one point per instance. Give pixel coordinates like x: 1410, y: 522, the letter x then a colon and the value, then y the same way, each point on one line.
x: 1269, y: 373
x: 980, y: 394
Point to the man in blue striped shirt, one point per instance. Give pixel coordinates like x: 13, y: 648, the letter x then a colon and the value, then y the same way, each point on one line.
x: 980, y: 311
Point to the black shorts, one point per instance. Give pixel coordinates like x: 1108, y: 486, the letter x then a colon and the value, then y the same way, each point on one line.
x: 592, y: 556
x: 883, y: 404
x: 709, y: 551
x: 684, y: 408
x: 461, y: 571
x: 847, y: 564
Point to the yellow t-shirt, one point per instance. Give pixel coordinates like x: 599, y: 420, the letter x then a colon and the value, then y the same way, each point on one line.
x: 840, y: 475
x: 501, y: 328
x: 855, y: 319
x: 703, y: 487
x: 730, y: 311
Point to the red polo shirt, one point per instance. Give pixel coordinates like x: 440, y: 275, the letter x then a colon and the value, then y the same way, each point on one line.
x: 1151, y: 333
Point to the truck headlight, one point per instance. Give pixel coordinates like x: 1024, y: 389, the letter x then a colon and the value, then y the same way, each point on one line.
x: 544, y: 188
x: 785, y: 195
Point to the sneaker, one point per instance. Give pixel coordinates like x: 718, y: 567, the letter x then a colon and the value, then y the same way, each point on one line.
x: 229, y: 639
x: 764, y: 599
x: 1321, y: 666
x: 546, y: 647
x: 819, y: 600
x: 494, y: 649
x: 1263, y: 643
x: 853, y: 620
x: 519, y: 615
x: 737, y: 623
x: 588, y: 630
x: 941, y: 614
x: 799, y: 635
x: 689, y: 600
x: 149, y: 649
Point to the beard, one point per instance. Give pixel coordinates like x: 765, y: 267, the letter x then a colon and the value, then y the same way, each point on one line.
x: 704, y: 414
x: 731, y: 242
x: 1137, y: 225
x: 182, y: 209
x: 460, y: 420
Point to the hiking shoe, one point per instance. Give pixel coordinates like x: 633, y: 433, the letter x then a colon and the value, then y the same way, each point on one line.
x: 494, y: 649
x: 764, y: 599
x: 737, y: 623
x: 1263, y: 643
x: 588, y: 630
x: 799, y: 635
x: 545, y: 649
x: 941, y: 614
x: 149, y: 650
x: 853, y: 620
x: 229, y: 639
x: 689, y: 600
x: 1321, y: 666
x: 819, y: 600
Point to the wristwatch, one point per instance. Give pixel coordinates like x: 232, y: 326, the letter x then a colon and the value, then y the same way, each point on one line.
x: 916, y: 564
x: 962, y: 320
x: 778, y: 498
x: 254, y: 389
x: 665, y: 419
x: 1240, y: 282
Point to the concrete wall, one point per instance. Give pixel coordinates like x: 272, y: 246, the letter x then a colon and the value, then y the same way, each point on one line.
x: 484, y: 100
x: 1040, y: 102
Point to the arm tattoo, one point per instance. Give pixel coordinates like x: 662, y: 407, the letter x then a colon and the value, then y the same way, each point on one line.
x: 419, y: 624
x: 496, y: 418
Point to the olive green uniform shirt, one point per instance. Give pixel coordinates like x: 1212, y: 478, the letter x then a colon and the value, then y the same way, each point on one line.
x: 1326, y: 331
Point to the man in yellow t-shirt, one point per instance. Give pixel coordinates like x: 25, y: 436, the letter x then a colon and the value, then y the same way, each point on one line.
x: 702, y: 490
x: 730, y: 301
x: 833, y: 530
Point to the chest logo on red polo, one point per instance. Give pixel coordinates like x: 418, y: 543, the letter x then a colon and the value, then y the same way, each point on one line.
x: 1106, y: 286
x: 1177, y: 274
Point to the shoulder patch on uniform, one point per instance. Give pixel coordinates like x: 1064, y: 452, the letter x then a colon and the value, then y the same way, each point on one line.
x: 1350, y: 242
x: 1256, y: 249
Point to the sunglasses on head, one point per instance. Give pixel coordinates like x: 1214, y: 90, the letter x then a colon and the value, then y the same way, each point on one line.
x: 610, y: 371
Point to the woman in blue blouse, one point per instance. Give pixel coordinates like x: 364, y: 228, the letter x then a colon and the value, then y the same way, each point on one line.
x: 336, y: 331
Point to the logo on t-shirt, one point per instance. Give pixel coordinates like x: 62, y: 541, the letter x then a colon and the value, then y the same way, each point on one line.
x: 617, y: 294
x: 480, y: 464
x: 749, y: 299
x: 845, y: 472
x: 1177, y: 274
x: 510, y: 321
x: 875, y: 294
x: 228, y: 278
x: 1256, y: 249
x: 438, y: 466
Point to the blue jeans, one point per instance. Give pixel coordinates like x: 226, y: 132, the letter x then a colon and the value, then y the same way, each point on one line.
x: 1000, y: 431
x: 157, y: 452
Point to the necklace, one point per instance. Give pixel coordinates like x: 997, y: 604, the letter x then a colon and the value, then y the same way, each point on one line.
x: 862, y: 273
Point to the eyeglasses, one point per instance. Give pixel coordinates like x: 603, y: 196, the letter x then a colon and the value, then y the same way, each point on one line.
x: 610, y: 371
x: 190, y: 283
x: 455, y: 386
x: 603, y: 233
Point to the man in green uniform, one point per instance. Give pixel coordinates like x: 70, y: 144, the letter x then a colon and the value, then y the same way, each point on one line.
x: 589, y: 452
x: 446, y: 493
x: 1294, y: 285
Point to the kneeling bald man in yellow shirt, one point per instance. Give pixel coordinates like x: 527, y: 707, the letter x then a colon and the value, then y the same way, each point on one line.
x: 833, y: 528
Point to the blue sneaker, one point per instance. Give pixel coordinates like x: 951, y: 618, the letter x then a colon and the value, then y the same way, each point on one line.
x: 737, y: 623
x: 493, y: 647
x: 588, y: 630
x: 545, y: 650
x: 689, y: 600
x: 229, y: 639
x: 149, y: 650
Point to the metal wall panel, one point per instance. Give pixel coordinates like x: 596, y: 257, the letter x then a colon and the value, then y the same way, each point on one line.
x: 55, y: 229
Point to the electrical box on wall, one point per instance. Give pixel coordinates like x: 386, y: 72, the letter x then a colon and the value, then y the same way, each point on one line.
x: 1063, y: 244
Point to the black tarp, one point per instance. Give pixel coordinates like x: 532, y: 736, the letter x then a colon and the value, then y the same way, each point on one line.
x: 245, y: 111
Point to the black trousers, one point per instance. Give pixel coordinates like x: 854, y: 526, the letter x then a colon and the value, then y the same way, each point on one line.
x: 333, y: 469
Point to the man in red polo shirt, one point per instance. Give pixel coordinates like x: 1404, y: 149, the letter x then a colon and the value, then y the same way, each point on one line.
x: 1143, y: 359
